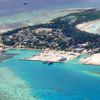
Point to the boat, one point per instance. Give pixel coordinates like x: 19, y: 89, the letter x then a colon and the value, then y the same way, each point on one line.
x: 50, y: 63
x: 25, y: 3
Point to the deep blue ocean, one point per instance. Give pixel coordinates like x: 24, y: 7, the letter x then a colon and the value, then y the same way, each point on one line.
x: 8, y: 7
x: 59, y: 81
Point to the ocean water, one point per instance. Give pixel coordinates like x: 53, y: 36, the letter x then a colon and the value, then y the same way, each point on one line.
x: 8, y: 7
x: 59, y: 81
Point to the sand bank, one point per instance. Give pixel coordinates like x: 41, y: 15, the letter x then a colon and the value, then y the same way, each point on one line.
x: 54, y: 56
x: 92, y: 60
x: 91, y: 26
x: 93, y: 73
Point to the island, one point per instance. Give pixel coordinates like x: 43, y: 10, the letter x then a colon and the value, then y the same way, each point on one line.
x: 60, y: 34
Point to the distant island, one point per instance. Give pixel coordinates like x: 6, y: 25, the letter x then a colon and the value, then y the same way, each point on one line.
x: 60, y: 40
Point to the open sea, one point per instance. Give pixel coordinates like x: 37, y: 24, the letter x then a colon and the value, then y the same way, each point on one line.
x: 8, y: 7
x: 59, y: 81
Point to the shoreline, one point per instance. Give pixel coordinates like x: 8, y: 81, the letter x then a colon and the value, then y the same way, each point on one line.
x: 92, y: 60
x: 49, y: 55
x: 90, y: 27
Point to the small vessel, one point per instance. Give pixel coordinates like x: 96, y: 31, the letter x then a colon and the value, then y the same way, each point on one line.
x: 50, y: 63
x: 25, y: 3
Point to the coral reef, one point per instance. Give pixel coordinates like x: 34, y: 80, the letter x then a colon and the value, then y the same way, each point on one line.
x: 12, y: 87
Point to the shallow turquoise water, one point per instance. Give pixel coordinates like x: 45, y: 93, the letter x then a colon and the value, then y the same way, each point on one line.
x: 59, y: 81
x: 95, y: 28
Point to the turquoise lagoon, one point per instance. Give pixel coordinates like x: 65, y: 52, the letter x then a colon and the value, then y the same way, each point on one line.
x: 95, y: 29
x: 38, y: 81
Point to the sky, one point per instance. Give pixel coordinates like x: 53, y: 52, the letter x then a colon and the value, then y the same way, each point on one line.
x: 14, y: 6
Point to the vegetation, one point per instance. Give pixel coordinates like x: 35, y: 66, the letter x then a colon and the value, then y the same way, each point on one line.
x: 64, y: 34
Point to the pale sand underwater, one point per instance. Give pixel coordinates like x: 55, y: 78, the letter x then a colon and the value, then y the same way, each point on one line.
x: 12, y: 87
x: 92, y: 60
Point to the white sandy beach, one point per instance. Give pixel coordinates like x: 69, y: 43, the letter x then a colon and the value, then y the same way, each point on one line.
x: 91, y: 27
x: 92, y: 60
x: 54, y: 56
